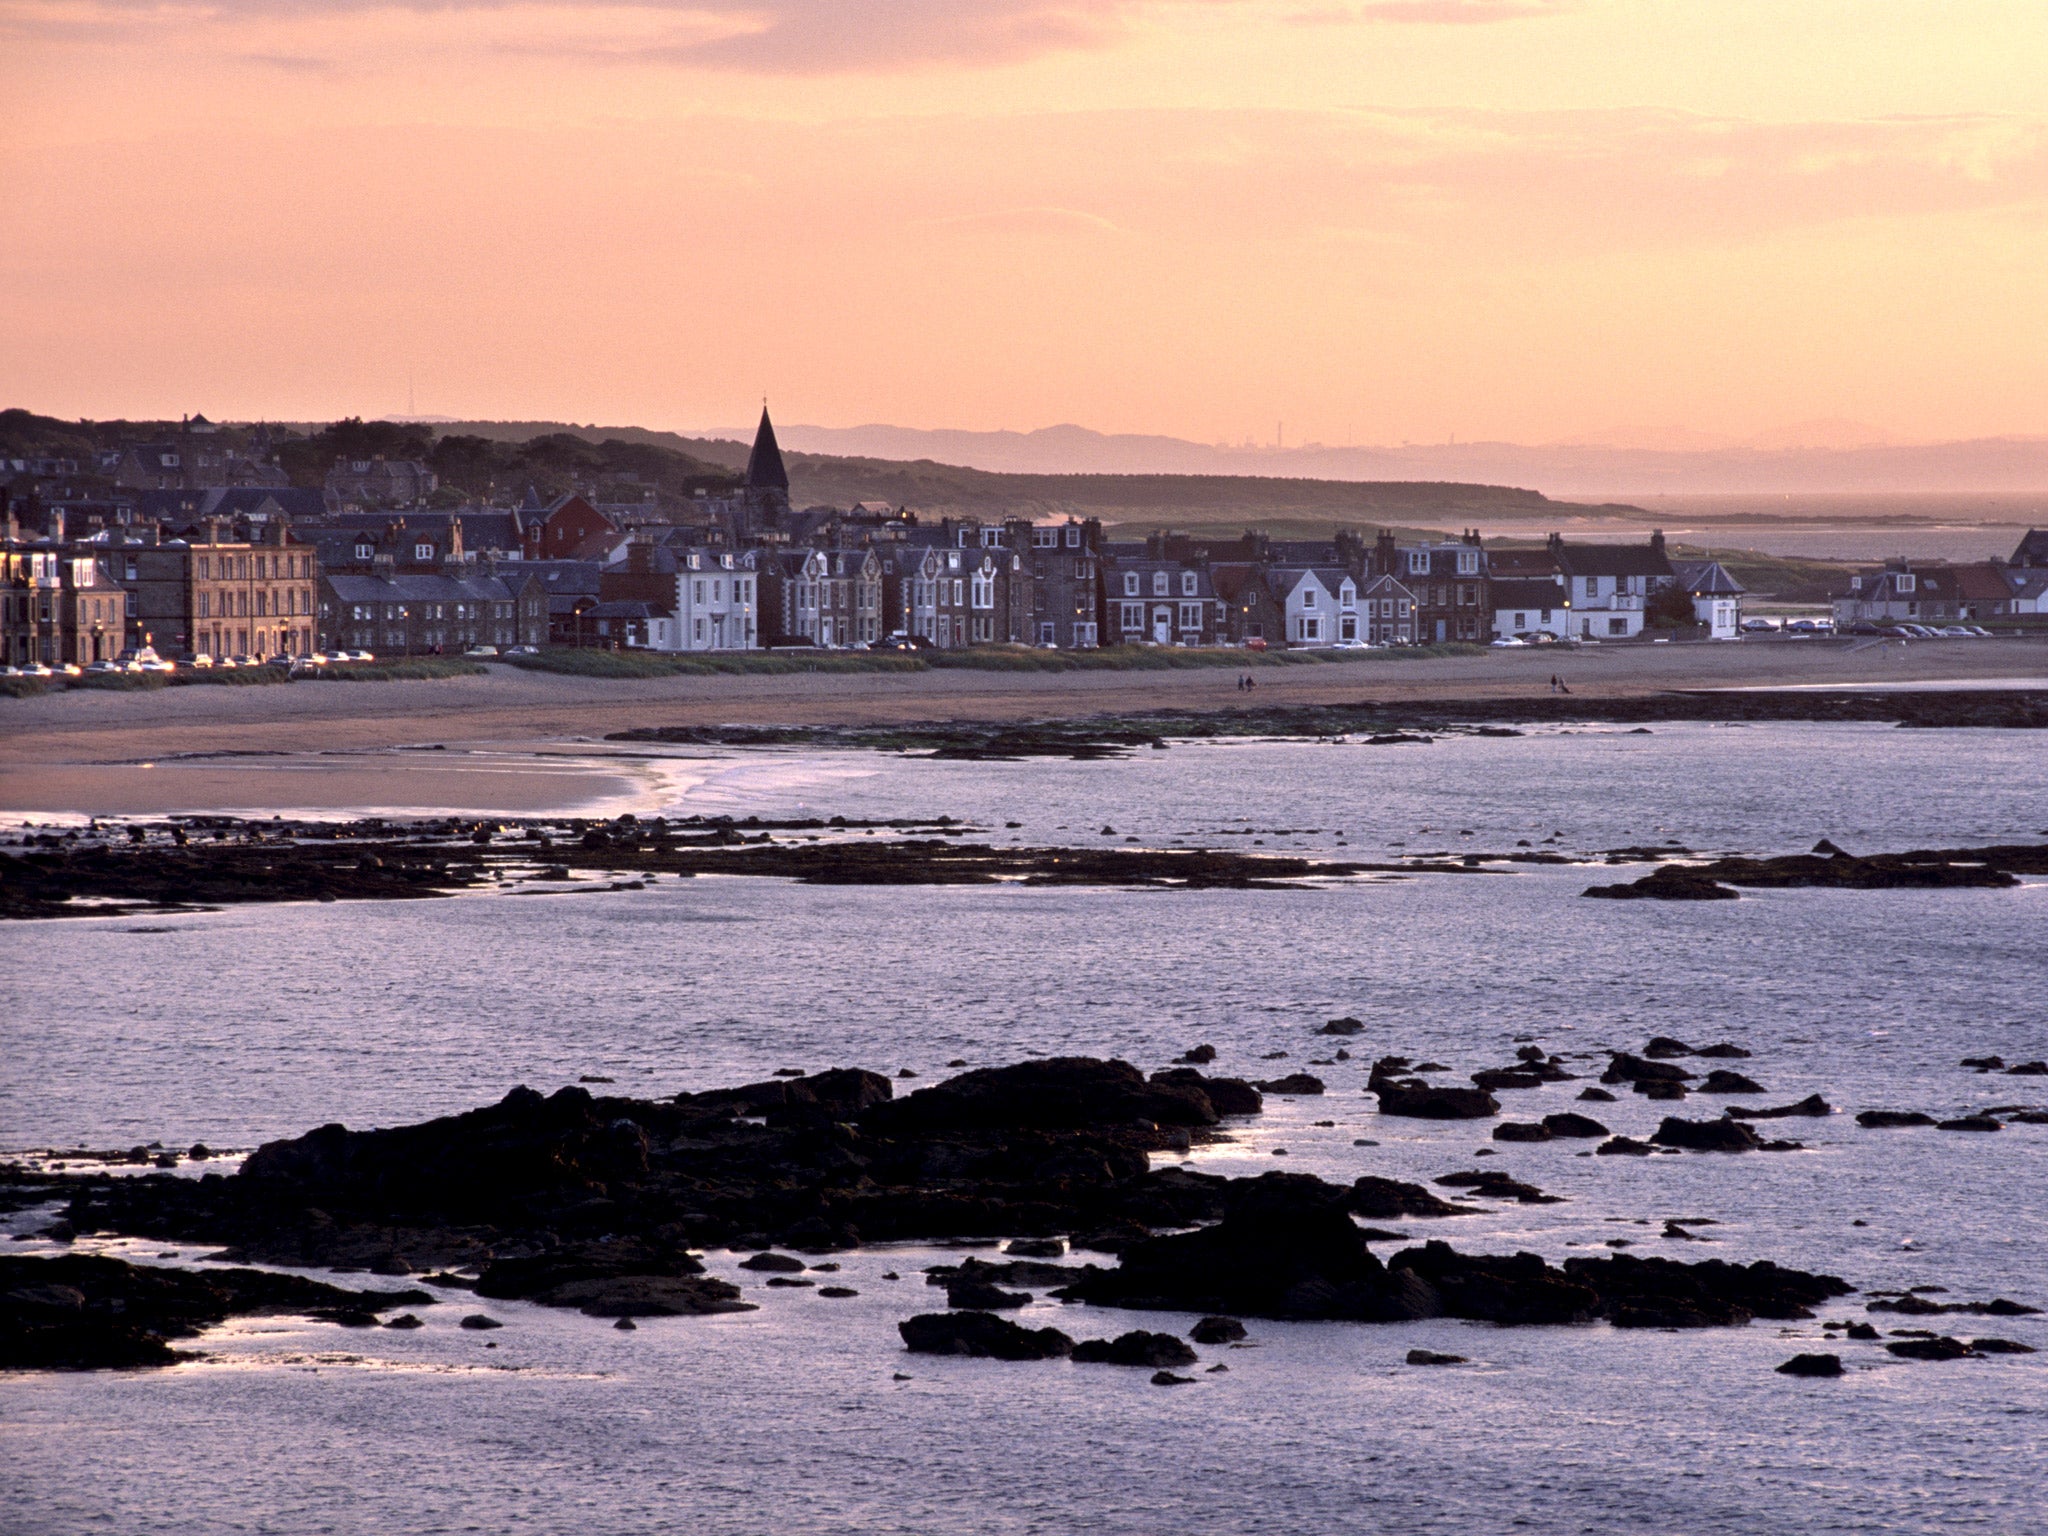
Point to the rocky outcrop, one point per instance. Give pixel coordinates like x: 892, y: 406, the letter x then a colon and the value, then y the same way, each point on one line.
x: 982, y: 1335
x: 1891, y: 1119
x: 1419, y: 1100
x: 1156, y: 1351
x: 1380, y: 1199
x: 1226, y: 1095
x: 82, y: 1312
x: 1811, y: 1365
x: 1813, y: 1105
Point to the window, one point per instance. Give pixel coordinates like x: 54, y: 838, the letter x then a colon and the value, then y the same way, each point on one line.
x: 1130, y: 583
x: 1311, y: 629
x: 1074, y: 542
x: 205, y: 605
x: 718, y: 591
x: 1418, y: 562
x: 1187, y: 583
x: 1190, y: 615
x: 205, y: 568
x: 697, y: 596
x: 1617, y: 626
x: 1045, y: 538
x: 1084, y: 634
x: 1347, y: 599
x: 984, y: 592
x: 1521, y: 623
x: 1308, y: 597
x: 423, y: 552
x: 1468, y: 562
x: 1133, y: 617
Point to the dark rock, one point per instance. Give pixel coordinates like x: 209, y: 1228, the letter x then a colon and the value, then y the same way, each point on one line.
x: 1596, y: 1096
x: 790, y: 1283
x: 837, y: 1292
x: 1969, y: 1123
x: 1380, y: 1199
x: 1138, y: 1348
x: 1431, y: 1357
x: 1887, y: 1119
x: 1511, y: 1130
x: 774, y: 1263
x: 1862, y: 1331
x: 1671, y: 882
x: 1706, y: 1135
x: 1217, y: 1330
x: 983, y: 1296
x: 1168, y: 1379
x: 478, y: 1322
x: 1929, y: 1349
x: 1812, y: 1105
x: 1724, y: 1050
x: 1812, y: 1365
x: 624, y: 1325
x: 1624, y: 1068
x: 1295, y: 1083
x: 1657, y: 1089
x: 405, y: 1320
x: 1037, y: 1247
x: 1571, y: 1125
x: 2028, y: 1069
x: 86, y: 1312
x: 1346, y: 1026
x: 1058, y: 1093
x: 1199, y: 1056
x: 1985, y: 1063
x: 2001, y: 1347
x: 1423, y: 1101
x: 1227, y: 1095
x: 1623, y: 1146
x: 1493, y: 1079
x: 1663, y: 1047
x: 982, y: 1335
x: 1497, y: 1186
x: 1721, y: 1080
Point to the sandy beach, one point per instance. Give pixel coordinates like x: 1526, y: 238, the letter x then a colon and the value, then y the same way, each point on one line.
x: 345, y: 746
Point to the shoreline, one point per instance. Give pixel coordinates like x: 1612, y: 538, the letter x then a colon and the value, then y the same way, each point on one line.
x: 60, y: 751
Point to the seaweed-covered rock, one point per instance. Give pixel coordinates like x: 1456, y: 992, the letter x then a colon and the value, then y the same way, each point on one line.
x: 1380, y: 1199
x: 1891, y: 1119
x: 1226, y: 1095
x: 1217, y: 1330
x: 1521, y: 1130
x: 1721, y: 1080
x: 1567, y: 1124
x: 1058, y: 1093
x: 1813, y: 1105
x: 1706, y: 1135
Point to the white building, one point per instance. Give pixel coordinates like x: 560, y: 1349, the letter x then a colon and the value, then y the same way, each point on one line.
x: 1320, y: 604
x: 1716, y: 596
x: 1524, y: 608
x: 717, y: 601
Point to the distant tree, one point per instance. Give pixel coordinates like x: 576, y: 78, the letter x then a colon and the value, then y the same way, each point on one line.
x: 307, y: 459
x: 1669, y: 608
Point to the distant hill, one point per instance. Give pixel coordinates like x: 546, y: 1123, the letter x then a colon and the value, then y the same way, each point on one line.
x: 1796, y: 460
x: 1287, y: 506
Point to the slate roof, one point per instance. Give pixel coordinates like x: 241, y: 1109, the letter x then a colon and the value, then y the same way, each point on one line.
x: 1611, y: 560
x: 1707, y: 578
x: 1529, y: 594
x: 764, y: 464
x: 295, y: 502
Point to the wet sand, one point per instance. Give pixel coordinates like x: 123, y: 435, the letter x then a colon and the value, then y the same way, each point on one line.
x: 86, y: 751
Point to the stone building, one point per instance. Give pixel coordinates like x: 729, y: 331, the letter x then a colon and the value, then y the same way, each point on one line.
x: 220, y: 589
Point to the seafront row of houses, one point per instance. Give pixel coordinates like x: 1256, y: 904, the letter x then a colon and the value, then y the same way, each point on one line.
x: 260, y: 570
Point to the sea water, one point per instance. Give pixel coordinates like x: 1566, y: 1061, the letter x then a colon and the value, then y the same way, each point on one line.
x: 248, y: 1024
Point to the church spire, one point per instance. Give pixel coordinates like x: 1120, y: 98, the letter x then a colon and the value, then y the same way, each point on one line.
x: 764, y: 464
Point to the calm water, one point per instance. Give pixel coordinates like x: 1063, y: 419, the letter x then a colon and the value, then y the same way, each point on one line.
x: 239, y: 1026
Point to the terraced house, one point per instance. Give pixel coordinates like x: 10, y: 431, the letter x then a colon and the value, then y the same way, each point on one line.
x: 431, y: 613
x: 1152, y: 601
x: 218, y: 589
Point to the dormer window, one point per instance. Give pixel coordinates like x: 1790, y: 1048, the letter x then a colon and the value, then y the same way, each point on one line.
x: 1187, y: 583
x: 1468, y: 562
x: 1130, y: 583
x: 1308, y: 596
x: 1418, y: 562
x: 365, y: 550
x: 1073, y: 536
x: 1045, y: 538
x: 423, y: 552
x: 1159, y: 583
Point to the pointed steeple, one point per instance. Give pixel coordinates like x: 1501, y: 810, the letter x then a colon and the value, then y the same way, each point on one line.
x: 764, y: 464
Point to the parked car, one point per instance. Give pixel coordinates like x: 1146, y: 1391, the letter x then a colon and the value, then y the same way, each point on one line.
x: 523, y: 650
x: 1759, y: 626
x: 481, y: 650
x: 37, y: 669
x: 1958, y: 632
x: 10, y: 670
x: 105, y: 668
x: 1509, y: 642
x: 1980, y: 631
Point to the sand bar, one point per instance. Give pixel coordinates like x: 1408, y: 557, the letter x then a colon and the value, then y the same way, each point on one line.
x: 83, y: 750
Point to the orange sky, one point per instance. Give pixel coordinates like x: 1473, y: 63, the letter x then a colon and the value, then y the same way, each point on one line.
x: 1523, y: 219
